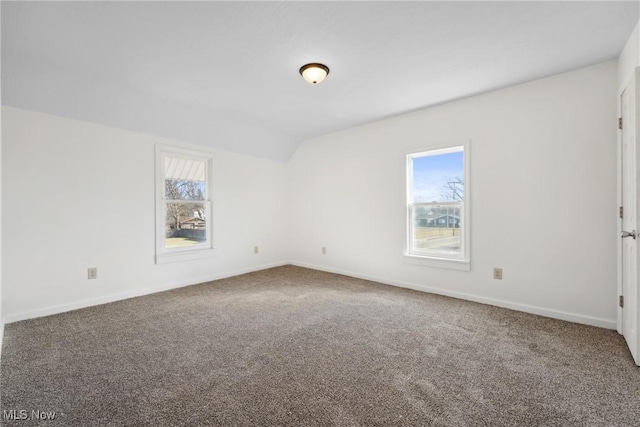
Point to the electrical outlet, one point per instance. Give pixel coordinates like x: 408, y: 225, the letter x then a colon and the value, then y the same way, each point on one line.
x: 497, y: 273
x: 324, y: 250
x: 92, y: 273
x: 256, y: 249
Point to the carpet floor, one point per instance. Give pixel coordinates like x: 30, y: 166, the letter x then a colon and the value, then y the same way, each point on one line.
x: 292, y: 346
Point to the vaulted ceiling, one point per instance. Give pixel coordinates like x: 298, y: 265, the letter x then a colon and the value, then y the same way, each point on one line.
x: 225, y: 74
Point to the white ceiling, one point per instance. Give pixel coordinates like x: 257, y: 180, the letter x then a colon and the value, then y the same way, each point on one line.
x: 225, y: 74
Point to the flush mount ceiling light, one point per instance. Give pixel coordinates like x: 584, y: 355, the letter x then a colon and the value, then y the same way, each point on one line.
x: 314, y: 73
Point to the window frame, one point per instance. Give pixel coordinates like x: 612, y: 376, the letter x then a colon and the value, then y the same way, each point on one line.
x: 463, y: 261
x: 182, y: 253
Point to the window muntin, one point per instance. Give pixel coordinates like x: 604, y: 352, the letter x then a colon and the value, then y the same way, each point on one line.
x: 436, y: 204
x: 184, y: 201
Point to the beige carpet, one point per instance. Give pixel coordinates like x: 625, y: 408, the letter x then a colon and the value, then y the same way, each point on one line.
x: 291, y: 346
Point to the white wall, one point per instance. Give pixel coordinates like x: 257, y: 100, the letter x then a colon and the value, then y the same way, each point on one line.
x: 82, y: 195
x: 629, y: 58
x: 543, y: 182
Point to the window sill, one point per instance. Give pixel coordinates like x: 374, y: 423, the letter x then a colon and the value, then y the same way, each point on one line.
x: 185, y: 256
x: 427, y: 261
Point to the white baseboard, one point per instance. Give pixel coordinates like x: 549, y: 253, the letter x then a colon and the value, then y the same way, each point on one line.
x: 61, y: 308
x: 1, y: 337
x: 556, y: 314
x: 541, y: 311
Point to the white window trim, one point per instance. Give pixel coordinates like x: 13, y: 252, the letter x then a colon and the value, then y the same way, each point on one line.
x: 164, y: 255
x: 464, y: 262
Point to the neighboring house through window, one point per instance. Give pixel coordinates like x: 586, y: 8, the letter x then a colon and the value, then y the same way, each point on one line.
x: 437, y: 211
x: 183, y: 204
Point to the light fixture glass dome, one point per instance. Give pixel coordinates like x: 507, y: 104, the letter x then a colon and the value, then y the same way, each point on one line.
x: 314, y: 73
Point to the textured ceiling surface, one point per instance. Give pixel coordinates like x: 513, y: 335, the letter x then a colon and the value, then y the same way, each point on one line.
x: 225, y: 74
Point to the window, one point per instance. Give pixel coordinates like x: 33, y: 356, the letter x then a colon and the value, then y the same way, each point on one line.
x: 437, y: 225
x: 183, y: 204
